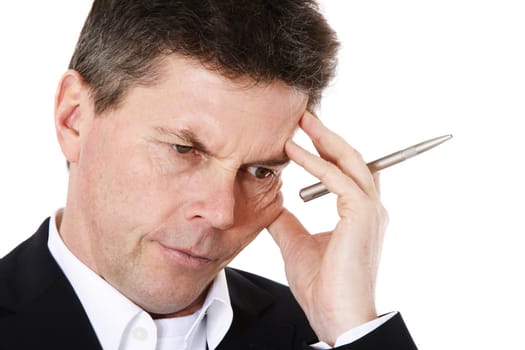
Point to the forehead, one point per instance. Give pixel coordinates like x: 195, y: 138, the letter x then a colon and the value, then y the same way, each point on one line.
x: 228, y: 116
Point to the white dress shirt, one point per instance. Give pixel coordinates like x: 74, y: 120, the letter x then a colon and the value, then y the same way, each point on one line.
x: 122, y: 325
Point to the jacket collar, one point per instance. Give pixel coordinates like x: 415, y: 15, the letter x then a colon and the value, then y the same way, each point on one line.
x: 249, y: 329
x: 34, y: 292
x: 20, y: 266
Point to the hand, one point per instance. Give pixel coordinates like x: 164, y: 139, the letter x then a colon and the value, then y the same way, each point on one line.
x: 333, y: 274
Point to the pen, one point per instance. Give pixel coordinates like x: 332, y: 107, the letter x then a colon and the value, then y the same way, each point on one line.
x: 319, y: 189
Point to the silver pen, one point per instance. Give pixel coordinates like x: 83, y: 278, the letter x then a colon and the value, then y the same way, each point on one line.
x: 319, y: 189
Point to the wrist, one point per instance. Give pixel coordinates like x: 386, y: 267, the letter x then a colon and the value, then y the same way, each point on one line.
x: 330, y: 325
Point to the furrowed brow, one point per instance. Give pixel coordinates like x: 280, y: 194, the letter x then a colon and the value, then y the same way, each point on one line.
x: 189, y: 137
x: 281, y: 160
x: 186, y: 136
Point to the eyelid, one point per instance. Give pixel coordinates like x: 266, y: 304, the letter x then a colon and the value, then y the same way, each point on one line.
x: 187, y: 150
x: 181, y: 148
x: 253, y: 168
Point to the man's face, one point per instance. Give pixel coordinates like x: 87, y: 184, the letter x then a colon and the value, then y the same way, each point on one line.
x: 176, y: 181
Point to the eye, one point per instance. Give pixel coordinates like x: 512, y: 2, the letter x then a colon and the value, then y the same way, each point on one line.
x: 260, y: 172
x: 182, y: 148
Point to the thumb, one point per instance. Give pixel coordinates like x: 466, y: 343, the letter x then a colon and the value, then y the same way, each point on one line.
x: 286, y: 230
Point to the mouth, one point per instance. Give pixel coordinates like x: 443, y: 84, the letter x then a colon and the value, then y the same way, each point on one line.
x: 186, y: 257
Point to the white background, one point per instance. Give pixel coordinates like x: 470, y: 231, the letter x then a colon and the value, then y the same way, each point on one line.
x: 453, y: 259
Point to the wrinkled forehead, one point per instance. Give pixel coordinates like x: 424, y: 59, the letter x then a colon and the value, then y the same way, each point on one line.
x: 229, y: 116
x: 251, y: 122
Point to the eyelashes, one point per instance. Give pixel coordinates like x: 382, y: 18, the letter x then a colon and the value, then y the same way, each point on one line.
x: 182, y: 149
x: 258, y: 172
x: 261, y: 172
x: 189, y: 152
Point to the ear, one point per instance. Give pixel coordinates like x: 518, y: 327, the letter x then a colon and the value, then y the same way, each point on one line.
x: 72, y: 109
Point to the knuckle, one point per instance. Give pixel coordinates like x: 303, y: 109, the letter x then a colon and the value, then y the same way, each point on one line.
x: 354, y: 153
x: 328, y: 171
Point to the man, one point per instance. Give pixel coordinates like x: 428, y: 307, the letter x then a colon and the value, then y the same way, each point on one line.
x: 176, y: 120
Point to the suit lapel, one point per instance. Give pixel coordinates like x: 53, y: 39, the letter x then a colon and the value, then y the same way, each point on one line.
x: 249, y: 329
x: 41, y: 309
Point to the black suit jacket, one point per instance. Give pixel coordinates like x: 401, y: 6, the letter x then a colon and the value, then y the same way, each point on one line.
x: 40, y: 310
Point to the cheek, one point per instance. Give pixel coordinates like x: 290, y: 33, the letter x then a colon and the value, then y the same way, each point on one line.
x: 260, y: 211
x: 138, y: 179
x: 119, y: 189
x: 267, y: 200
x: 253, y: 218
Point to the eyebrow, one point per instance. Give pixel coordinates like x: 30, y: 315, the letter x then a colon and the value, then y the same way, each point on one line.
x: 273, y: 162
x: 193, y: 140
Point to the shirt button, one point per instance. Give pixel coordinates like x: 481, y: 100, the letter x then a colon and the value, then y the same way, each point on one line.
x: 140, y: 333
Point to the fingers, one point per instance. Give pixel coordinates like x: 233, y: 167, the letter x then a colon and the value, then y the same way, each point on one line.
x: 328, y: 173
x: 377, y: 182
x: 285, y: 229
x: 336, y: 150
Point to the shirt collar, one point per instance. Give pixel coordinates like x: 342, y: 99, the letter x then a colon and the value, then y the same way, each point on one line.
x: 111, y: 324
x: 218, y: 311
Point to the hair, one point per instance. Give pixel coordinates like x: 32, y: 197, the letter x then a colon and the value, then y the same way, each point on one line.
x: 123, y: 43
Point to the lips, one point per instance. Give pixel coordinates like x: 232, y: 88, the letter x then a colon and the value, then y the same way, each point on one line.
x: 186, y: 257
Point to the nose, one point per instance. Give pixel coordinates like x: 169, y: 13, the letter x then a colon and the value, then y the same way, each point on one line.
x: 213, y: 201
